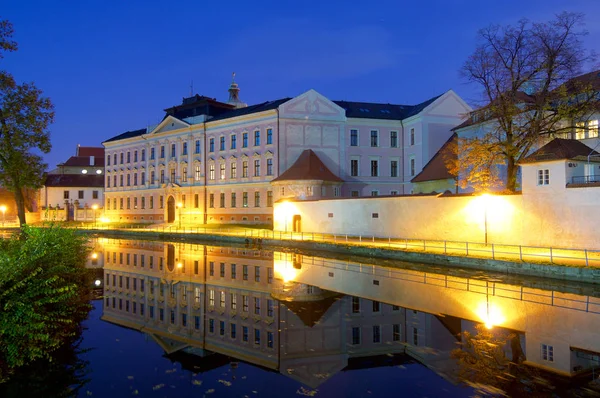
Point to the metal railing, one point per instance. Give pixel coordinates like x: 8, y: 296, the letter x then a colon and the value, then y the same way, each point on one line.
x: 490, y: 288
x: 494, y: 251
x: 585, y: 179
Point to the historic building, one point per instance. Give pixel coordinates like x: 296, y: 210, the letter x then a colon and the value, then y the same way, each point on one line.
x: 74, y: 189
x: 226, y: 162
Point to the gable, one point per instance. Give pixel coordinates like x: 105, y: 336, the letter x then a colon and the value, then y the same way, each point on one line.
x: 312, y: 106
x: 168, y: 124
x: 449, y: 104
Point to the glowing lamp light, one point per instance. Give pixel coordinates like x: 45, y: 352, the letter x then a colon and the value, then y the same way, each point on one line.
x: 180, y: 205
x: 104, y: 219
x: 284, y: 267
x: 98, y: 171
x: 95, y: 207
x: 84, y: 171
x: 179, y: 265
x: 97, y: 282
x: 94, y: 256
x: 490, y: 314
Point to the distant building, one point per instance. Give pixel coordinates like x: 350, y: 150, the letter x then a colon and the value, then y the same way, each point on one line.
x: 217, y: 162
x: 74, y: 187
x: 435, y: 177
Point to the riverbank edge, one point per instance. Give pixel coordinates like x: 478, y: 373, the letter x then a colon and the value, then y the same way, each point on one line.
x: 560, y: 272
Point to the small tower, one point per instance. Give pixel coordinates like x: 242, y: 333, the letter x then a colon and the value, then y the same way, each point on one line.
x: 234, y: 94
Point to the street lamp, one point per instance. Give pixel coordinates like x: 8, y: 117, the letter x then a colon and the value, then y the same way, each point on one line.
x: 3, y: 210
x: 95, y: 207
x: 179, y: 206
x: 486, y: 199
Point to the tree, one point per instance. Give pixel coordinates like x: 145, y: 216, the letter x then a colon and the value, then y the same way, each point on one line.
x: 527, y: 75
x: 24, y: 119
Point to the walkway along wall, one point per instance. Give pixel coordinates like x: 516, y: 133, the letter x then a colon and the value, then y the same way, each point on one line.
x: 561, y: 219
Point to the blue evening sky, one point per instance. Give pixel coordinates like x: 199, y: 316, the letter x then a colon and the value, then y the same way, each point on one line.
x: 113, y: 66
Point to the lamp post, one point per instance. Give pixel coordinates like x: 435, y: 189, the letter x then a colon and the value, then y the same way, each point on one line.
x: 179, y: 206
x: 95, y: 207
x: 3, y: 210
x: 486, y: 198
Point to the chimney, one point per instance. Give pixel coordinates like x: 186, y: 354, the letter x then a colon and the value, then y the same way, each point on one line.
x: 91, y: 160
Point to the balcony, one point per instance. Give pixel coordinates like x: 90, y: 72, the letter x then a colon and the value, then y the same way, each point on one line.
x: 584, y: 181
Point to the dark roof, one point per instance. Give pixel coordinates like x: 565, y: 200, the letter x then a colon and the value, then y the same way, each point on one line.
x: 561, y: 149
x: 308, y: 166
x: 84, y: 161
x: 127, y: 134
x: 371, y: 110
x: 589, y: 80
x: 74, y: 180
x: 310, y: 312
x: 265, y: 106
x: 90, y: 151
x: 198, y: 105
x: 436, y: 168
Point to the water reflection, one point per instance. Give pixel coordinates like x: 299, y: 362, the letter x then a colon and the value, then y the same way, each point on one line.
x: 309, y: 317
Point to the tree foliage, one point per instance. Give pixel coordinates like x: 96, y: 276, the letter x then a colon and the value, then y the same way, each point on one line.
x: 24, y: 119
x: 44, y: 294
x: 527, y: 75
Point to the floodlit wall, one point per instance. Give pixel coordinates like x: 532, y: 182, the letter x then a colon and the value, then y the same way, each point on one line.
x: 558, y: 218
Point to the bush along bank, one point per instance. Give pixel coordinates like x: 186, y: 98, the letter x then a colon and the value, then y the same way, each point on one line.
x: 44, y: 294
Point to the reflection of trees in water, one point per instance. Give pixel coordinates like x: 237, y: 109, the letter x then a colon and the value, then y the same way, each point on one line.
x: 484, y: 365
x: 62, y: 377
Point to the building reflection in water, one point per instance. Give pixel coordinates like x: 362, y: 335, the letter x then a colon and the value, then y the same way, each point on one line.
x: 310, y: 317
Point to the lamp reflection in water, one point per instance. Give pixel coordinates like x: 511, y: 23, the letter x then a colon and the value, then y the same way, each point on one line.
x: 488, y: 312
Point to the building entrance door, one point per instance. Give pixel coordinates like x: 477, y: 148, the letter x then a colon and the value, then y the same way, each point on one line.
x: 297, y: 223
x: 171, y: 209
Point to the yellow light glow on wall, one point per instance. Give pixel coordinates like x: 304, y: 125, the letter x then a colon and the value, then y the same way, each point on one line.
x: 490, y: 314
x: 493, y: 210
x: 94, y: 255
x: 283, y: 214
x: 284, y: 267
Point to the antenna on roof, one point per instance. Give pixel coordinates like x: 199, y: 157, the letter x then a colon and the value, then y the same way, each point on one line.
x: 192, y: 88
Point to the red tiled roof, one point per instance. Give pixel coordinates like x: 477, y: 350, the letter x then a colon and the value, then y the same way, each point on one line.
x: 74, y: 180
x: 436, y: 168
x: 308, y: 167
x: 561, y: 149
x: 84, y: 161
x: 90, y: 151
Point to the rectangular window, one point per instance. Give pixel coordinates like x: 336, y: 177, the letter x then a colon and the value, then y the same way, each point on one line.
x: 211, y: 172
x: 172, y: 175
x: 269, y: 275
x: 245, y: 272
x: 184, y: 148
x: 162, y: 176
x: 256, y: 274
x: 152, y: 202
x: 244, y: 140
x: 196, y: 200
x: 270, y: 308
x: 233, y: 271
x: 211, y: 145
x: 376, y: 334
x: 121, y: 157
x: 196, y: 322
x: 211, y: 268
x: 270, y: 339
x: 256, y: 199
x: 143, y: 178
x: 269, y: 198
x: 233, y: 301
x: 108, y: 160
x: 222, y: 299
x: 197, y: 147
x: 152, y: 151
x: 184, y: 174
x: 394, y: 139
x: 353, y: 137
x: 257, y: 168
x: 245, y: 199
x: 354, y: 167
x: 396, y: 332
x: 245, y: 169
x: 394, y: 168
x: 256, y: 306
x: 544, y: 177
x: 245, y: 333
x: 162, y: 151
x: 355, y: 305
x: 355, y: 335
x: 376, y: 306
x: 135, y: 180
x: 245, y: 303
x: 412, y: 137
x: 232, y: 330
x: 221, y: 143
x: 222, y: 171
x: 65, y: 194
x: 211, y: 298
x: 211, y: 200
x: 211, y: 325
x: 233, y: 141
x: 269, y: 167
x: 143, y: 155
x: 198, y: 174
x: 415, y: 336
x: 257, y: 336
x: 222, y: 200
x: 374, y: 168
x: 233, y: 170
x: 269, y: 136
x: 412, y: 167
x: 152, y: 177
x: 374, y: 138
x: 222, y: 270
x: 80, y: 194
x: 257, y: 138
x: 172, y: 150
x: 233, y: 200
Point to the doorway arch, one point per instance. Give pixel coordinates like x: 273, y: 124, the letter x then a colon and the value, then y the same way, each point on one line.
x: 171, y: 209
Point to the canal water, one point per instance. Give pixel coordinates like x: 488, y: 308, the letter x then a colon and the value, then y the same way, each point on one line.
x: 178, y: 319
